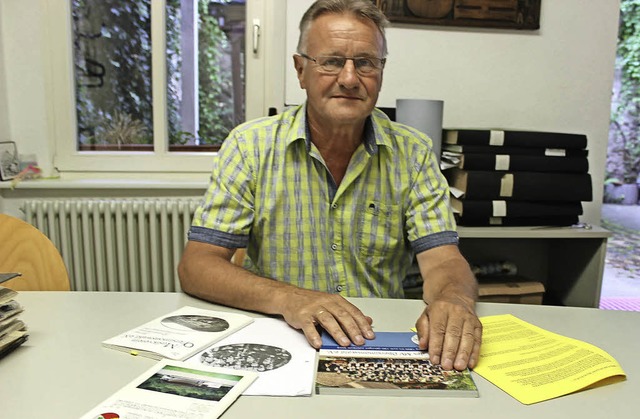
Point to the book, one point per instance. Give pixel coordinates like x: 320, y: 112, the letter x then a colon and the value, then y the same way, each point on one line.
x: 389, y: 365
x: 13, y: 331
x: 513, y: 138
x: 532, y: 364
x: 524, y: 151
x: 179, y: 334
x: 7, y: 276
x: 525, y: 163
x: 6, y: 294
x: 172, y: 389
x: 11, y: 341
x: 520, y: 186
x: 279, y: 354
x: 500, y: 208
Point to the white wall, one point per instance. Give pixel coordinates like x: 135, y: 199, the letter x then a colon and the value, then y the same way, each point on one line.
x: 21, y: 44
x: 558, y: 78
x: 4, y: 111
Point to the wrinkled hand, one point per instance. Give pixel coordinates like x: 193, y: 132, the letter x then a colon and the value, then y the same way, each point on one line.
x: 450, y: 330
x: 305, y: 309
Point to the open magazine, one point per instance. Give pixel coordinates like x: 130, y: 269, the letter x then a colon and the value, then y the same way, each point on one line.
x: 392, y: 364
x: 179, y: 334
x: 172, y: 389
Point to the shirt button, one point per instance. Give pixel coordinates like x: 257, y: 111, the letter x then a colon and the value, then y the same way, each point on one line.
x: 334, y: 206
x: 334, y: 246
x: 339, y: 288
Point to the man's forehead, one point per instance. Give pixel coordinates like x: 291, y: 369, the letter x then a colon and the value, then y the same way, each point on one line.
x: 344, y: 29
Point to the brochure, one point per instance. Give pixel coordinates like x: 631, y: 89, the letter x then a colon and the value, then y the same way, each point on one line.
x: 172, y: 389
x: 180, y: 334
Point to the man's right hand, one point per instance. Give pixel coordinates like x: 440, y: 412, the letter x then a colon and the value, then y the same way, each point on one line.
x: 306, y: 309
x: 206, y: 272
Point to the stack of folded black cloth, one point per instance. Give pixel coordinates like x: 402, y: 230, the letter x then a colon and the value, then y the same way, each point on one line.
x: 516, y: 178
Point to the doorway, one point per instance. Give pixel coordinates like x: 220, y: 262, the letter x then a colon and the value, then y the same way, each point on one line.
x: 621, y: 208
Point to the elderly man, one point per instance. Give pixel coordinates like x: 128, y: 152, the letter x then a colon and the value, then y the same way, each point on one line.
x: 331, y: 199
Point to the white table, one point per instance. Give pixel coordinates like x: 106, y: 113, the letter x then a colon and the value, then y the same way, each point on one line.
x: 63, y: 371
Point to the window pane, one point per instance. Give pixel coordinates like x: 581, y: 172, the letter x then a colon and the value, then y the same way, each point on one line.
x: 205, y: 71
x: 112, y: 58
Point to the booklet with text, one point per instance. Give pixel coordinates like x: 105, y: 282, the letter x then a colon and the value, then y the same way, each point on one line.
x: 180, y: 334
x: 392, y: 364
x: 532, y: 364
x: 172, y: 389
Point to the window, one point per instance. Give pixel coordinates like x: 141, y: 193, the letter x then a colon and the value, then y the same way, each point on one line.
x: 156, y: 85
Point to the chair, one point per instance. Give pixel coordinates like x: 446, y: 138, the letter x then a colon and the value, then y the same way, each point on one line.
x: 25, y: 249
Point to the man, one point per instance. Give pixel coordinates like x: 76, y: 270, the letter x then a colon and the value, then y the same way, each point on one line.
x: 331, y: 199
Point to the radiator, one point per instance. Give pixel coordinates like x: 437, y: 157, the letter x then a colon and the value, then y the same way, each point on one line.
x: 117, y: 244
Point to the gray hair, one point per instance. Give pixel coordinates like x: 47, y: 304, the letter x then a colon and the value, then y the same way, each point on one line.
x: 363, y: 9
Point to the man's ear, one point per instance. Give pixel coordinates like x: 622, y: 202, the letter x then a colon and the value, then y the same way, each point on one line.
x: 299, y: 66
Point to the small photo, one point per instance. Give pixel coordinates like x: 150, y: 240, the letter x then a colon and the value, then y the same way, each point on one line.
x: 9, y: 162
x: 186, y: 382
x: 196, y: 322
x: 246, y: 356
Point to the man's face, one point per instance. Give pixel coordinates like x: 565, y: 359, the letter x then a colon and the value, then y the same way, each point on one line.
x: 345, y: 98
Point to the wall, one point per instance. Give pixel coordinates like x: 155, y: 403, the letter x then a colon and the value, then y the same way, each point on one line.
x: 22, y: 38
x: 4, y: 111
x: 558, y: 78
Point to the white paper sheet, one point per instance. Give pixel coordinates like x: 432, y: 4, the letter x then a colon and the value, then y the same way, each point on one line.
x: 281, y: 355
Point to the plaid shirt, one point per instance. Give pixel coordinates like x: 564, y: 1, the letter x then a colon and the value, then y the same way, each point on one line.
x: 272, y: 193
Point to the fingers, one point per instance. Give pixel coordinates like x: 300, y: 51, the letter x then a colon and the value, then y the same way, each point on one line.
x: 452, y: 335
x: 342, y: 320
x: 345, y: 323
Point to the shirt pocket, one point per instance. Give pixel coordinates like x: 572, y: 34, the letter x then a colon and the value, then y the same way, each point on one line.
x: 380, y: 229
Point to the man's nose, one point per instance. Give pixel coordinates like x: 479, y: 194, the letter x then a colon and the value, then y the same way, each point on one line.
x: 348, y: 76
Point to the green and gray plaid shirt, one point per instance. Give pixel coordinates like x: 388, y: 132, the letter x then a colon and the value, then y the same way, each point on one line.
x: 272, y: 193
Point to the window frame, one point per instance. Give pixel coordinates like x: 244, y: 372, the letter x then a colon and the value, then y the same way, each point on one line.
x: 264, y: 79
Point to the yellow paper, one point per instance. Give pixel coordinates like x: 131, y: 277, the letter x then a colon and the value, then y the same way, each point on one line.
x: 532, y: 364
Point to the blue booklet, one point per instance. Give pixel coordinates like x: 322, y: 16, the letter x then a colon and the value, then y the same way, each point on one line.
x: 384, y: 341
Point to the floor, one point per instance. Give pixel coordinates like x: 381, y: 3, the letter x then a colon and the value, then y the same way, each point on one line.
x: 621, y: 279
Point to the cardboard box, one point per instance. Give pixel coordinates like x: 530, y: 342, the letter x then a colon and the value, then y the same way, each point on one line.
x: 514, y: 290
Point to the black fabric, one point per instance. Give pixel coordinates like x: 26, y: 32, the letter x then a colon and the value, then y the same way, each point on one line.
x: 529, y: 151
x: 521, y: 138
x: 476, y: 161
x: 552, y: 221
x: 527, y: 186
x: 484, y: 209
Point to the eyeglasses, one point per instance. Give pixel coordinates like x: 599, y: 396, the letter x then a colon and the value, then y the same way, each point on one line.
x: 332, y: 65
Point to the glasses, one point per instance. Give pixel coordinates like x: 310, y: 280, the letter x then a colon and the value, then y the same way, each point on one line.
x: 365, y: 66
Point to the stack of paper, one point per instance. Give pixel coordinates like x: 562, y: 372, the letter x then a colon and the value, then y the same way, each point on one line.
x: 13, y: 331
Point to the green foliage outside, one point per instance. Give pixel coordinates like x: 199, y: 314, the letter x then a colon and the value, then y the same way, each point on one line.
x: 215, y: 80
x: 112, y: 40
x: 112, y: 57
x: 625, y: 118
x: 216, y: 116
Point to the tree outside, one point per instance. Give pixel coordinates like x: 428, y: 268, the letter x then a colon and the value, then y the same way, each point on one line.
x: 623, y: 157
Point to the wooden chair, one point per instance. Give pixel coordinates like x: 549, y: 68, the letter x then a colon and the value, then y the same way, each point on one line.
x: 25, y: 249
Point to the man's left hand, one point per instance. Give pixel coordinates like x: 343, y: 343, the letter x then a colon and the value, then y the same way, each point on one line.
x: 451, y: 332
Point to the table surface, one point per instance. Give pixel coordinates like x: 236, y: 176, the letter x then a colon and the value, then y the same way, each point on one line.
x: 62, y: 371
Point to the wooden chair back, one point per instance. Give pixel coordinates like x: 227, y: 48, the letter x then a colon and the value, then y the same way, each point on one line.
x: 25, y: 249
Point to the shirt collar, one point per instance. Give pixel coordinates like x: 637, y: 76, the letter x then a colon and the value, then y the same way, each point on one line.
x: 374, y: 129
